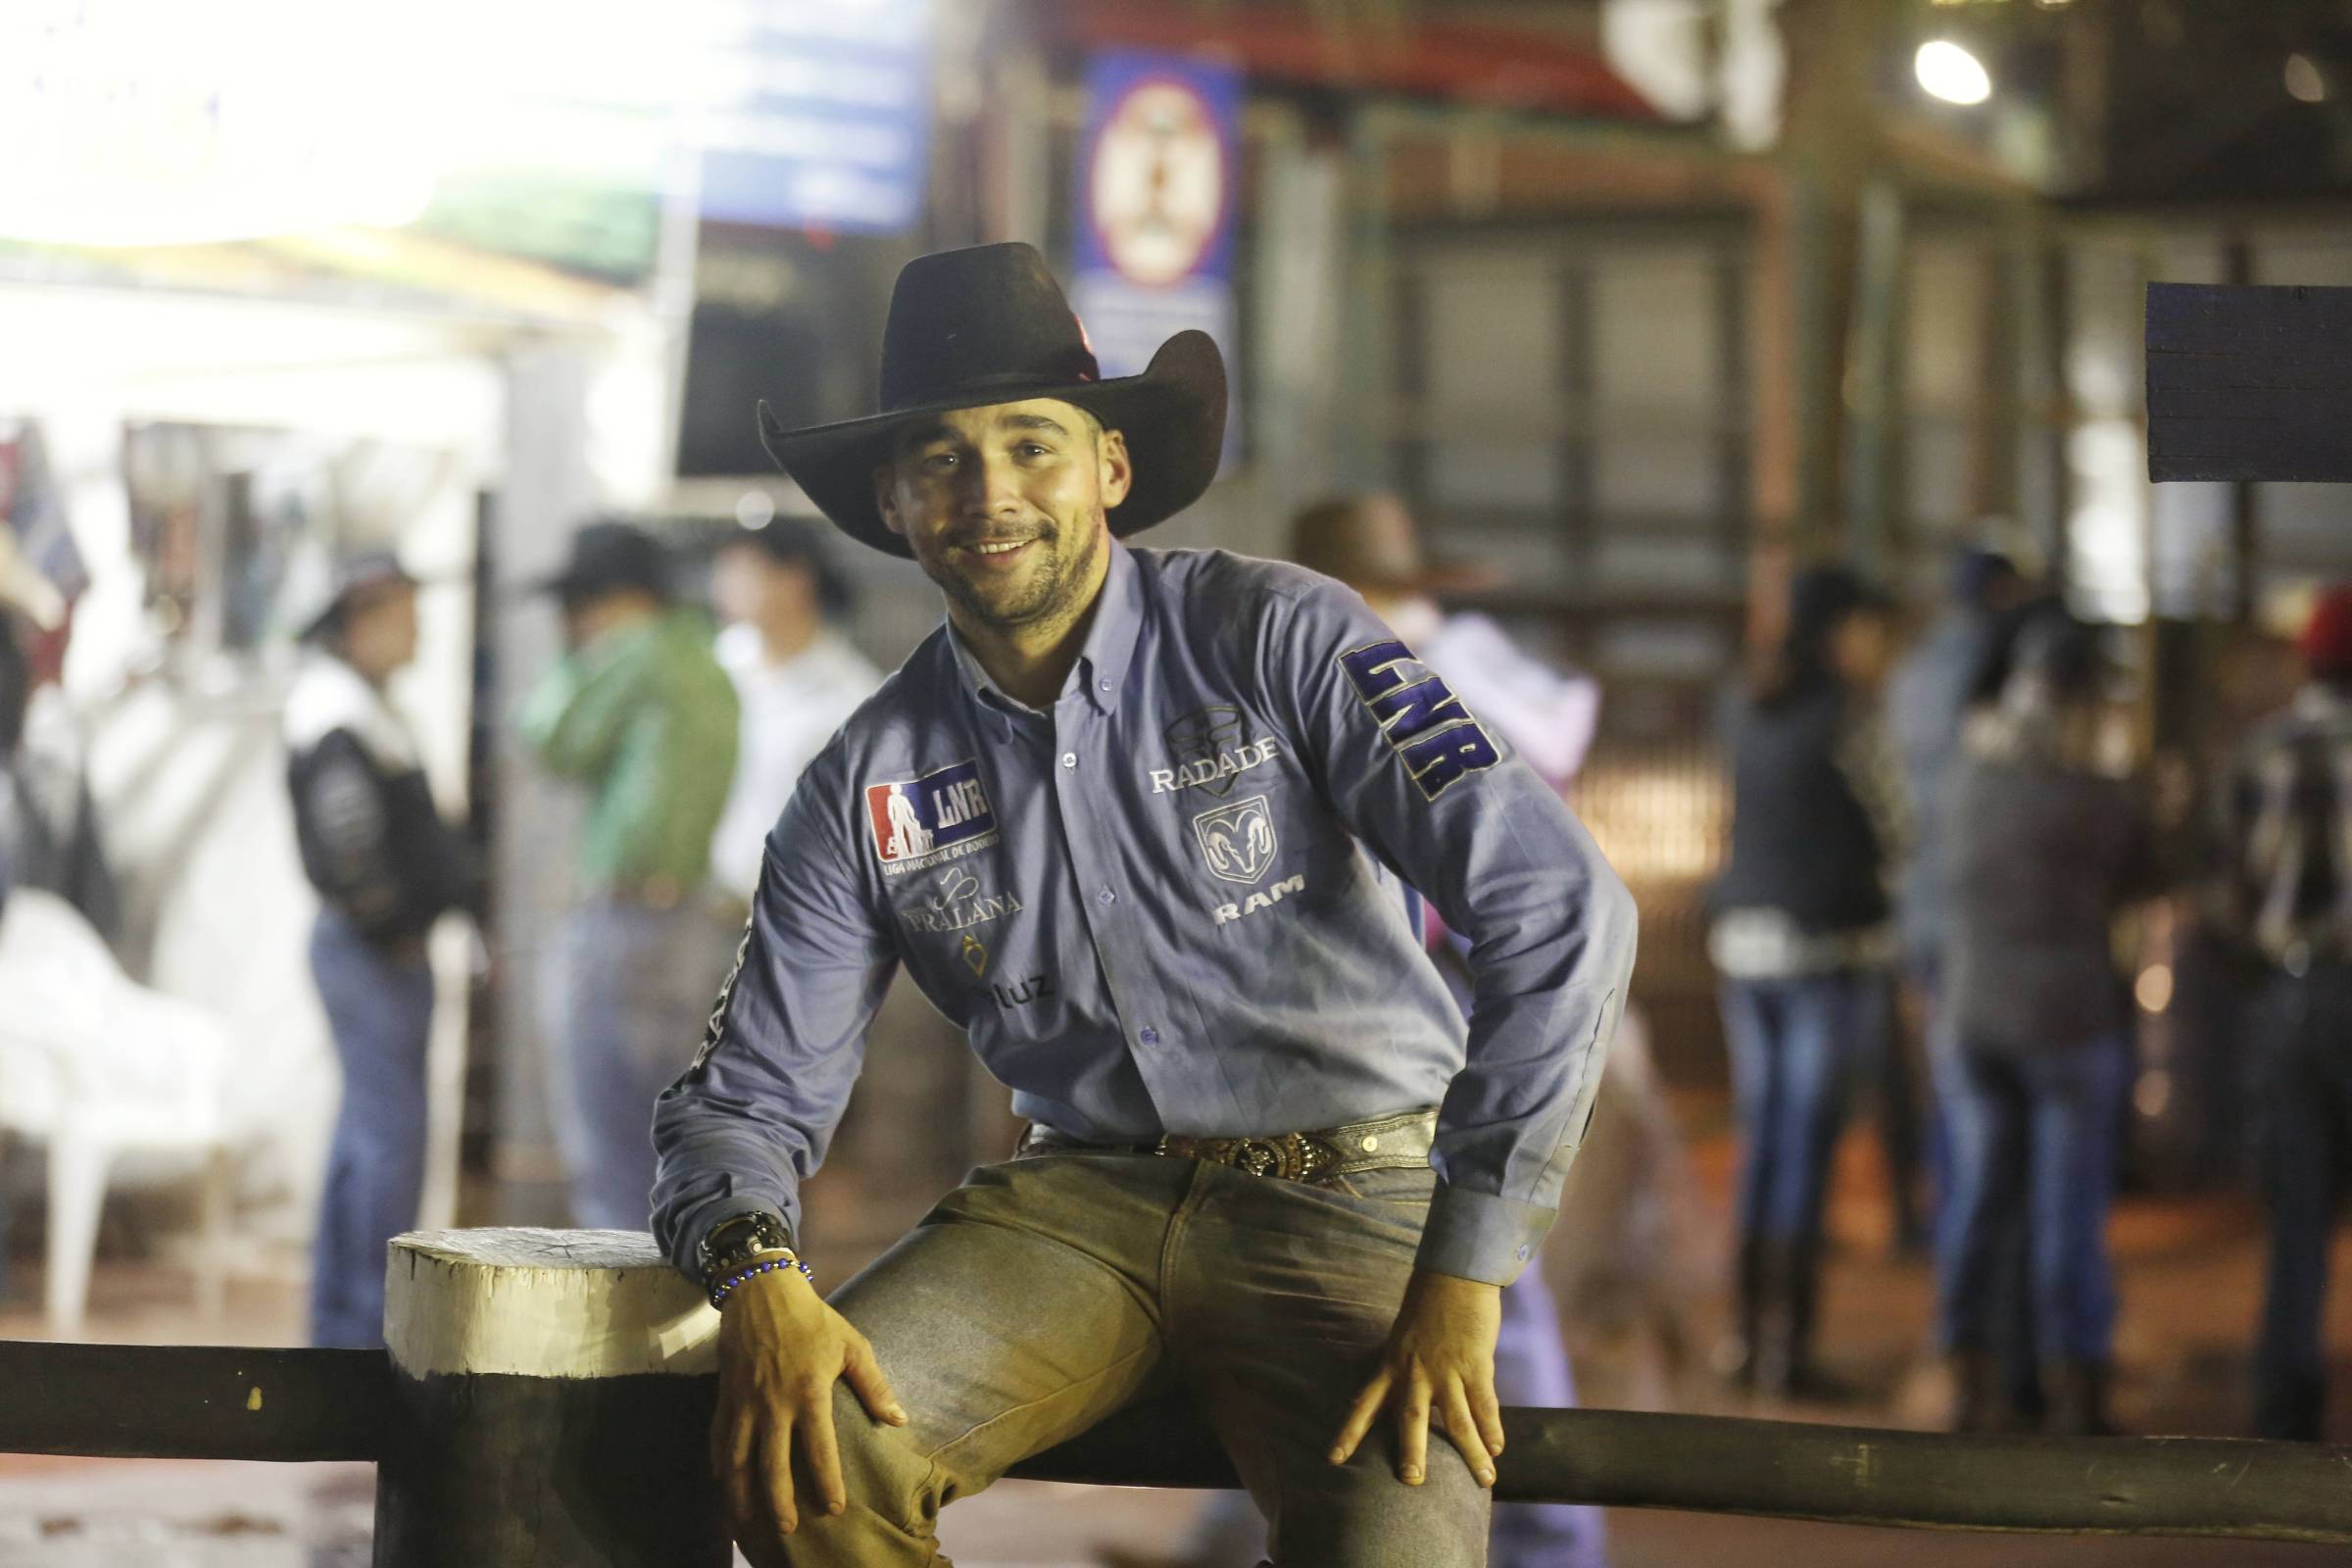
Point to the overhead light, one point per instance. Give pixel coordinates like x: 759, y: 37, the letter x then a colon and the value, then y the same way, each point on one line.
x: 2303, y: 79
x: 1950, y: 72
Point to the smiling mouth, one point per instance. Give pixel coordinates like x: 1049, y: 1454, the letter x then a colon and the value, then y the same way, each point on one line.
x: 997, y: 548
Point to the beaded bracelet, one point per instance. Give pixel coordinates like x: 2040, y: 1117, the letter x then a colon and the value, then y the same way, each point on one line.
x: 750, y: 1271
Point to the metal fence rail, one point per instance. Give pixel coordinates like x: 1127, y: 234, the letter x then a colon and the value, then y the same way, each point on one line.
x: 226, y: 1402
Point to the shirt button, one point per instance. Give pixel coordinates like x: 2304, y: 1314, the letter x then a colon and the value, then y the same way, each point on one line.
x: 1524, y: 1251
x: 1371, y: 1143
x: 1105, y: 896
x: 1147, y: 1034
x: 1069, y: 759
x: 1107, y: 685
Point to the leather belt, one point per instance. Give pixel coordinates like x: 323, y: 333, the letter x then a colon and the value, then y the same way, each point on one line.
x: 1390, y: 1143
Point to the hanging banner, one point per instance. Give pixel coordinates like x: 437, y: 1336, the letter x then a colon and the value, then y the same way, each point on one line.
x: 1158, y: 185
x: 818, y: 115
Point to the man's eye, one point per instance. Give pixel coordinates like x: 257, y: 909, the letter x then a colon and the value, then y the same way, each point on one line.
x: 1031, y: 449
x: 940, y: 461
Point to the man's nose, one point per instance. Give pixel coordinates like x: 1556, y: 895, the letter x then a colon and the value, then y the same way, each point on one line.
x: 996, y: 486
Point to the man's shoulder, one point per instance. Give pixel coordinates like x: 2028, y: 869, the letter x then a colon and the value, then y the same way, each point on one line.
x: 894, y: 721
x: 1222, y: 598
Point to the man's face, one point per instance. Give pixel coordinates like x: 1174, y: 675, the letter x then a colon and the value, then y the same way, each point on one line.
x: 1004, y: 505
x: 748, y: 584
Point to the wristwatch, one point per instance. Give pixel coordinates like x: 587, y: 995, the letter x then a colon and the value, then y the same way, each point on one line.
x: 735, y: 1240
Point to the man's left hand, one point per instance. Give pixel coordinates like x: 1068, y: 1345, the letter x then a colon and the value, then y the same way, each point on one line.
x: 1440, y: 1359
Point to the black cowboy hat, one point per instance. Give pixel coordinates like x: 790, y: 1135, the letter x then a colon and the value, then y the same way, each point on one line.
x: 610, y: 555
x: 989, y: 324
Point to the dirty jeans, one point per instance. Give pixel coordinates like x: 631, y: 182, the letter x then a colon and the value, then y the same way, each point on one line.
x: 628, y: 999
x: 379, y: 1009
x: 1531, y: 1368
x: 1048, y: 1292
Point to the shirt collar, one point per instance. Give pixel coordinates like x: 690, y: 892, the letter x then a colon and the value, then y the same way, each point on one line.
x: 1102, y: 668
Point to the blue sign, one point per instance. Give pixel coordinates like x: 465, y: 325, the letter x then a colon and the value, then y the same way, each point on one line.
x: 1158, y: 186
x: 821, y: 116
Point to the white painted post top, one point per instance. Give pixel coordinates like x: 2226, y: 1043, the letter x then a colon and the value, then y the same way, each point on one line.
x: 543, y: 1304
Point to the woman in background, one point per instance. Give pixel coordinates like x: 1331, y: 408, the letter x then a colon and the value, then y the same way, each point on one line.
x: 1805, y: 942
x: 2050, y: 836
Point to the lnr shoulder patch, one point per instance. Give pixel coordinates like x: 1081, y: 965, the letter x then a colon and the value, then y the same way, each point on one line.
x: 1423, y: 721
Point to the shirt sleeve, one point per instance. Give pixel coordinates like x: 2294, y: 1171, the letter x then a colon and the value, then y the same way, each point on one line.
x: 1442, y: 800
x: 753, y: 1116
x: 343, y: 805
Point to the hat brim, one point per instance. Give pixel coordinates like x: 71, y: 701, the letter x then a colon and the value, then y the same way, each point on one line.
x: 1172, y: 415
x: 324, y: 616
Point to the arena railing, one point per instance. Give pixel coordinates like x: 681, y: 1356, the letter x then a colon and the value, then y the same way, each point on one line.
x: 546, y: 1396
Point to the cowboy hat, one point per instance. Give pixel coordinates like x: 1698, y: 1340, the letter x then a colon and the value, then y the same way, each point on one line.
x: 360, y: 571
x: 988, y: 325
x: 1369, y: 542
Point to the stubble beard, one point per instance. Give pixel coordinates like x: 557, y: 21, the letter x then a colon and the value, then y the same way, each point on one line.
x: 1049, y: 589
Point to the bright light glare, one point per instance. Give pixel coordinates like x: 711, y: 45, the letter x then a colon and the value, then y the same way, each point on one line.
x: 2154, y: 988
x: 1950, y: 72
x: 2304, y: 82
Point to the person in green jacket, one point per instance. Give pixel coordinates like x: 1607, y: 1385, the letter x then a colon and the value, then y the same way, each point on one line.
x: 639, y: 712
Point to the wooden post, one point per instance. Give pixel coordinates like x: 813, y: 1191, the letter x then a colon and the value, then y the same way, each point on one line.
x: 555, y: 1390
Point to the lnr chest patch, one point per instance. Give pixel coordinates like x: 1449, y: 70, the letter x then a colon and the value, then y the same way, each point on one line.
x: 1424, y: 723
x: 921, y: 823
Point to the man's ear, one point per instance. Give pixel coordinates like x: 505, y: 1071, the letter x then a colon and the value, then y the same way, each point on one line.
x: 1114, y: 470
x: 886, y: 498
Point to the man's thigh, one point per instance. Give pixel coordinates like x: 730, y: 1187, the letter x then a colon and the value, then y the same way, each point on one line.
x: 1020, y: 1311
x: 1281, y: 1297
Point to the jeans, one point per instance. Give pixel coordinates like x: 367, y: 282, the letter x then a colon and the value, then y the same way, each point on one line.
x: 2303, y: 1103
x: 2035, y: 1138
x: 1531, y: 1368
x: 380, y: 1010
x: 1794, y: 1044
x: 631, y: 993
x: 1048, y: 1292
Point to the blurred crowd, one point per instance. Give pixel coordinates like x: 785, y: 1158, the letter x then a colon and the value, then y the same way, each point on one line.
x: 1933, y: 851
x: 1969, y: 827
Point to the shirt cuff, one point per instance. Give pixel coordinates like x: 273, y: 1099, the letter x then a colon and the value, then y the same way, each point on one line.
x: 1480, y: 1236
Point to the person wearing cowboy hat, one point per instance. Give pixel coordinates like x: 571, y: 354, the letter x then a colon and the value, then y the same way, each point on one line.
x: 1141, y: 823
x: 639, y: 713
x: 385, y: 867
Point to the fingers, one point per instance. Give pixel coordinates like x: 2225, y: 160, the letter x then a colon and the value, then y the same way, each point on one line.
x: 824, y: 1453
x: 775, y: 1476
x: 863, y: 1374
x: 1360, y: 1417
x: 1412, y: 1433
x: 1488, y: 1409
x: 732, y: 1439
x: 1455, y: 1407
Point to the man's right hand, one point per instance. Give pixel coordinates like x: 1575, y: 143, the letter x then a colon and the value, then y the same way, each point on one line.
x: 780, y: 1351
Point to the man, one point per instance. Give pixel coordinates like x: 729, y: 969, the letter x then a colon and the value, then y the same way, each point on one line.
x: 2289, y: 893
x: 386, y: 868
x: 1232, y: 1068
x: 49, y: 829
x: 795, y: 677
x: 638, y: 710
x: 1369, y: 543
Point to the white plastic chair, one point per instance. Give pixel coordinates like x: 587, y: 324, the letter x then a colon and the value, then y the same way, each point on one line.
x: 94, y: 1065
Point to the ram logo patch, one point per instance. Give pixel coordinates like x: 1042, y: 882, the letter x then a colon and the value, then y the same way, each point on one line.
x: 1237, y: 840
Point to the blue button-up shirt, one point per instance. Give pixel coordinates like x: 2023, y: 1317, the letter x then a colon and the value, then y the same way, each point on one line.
x: 1174, y: 902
